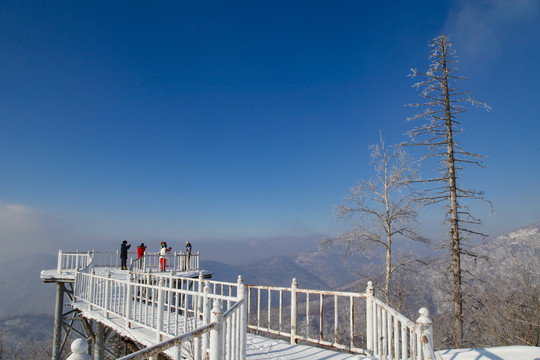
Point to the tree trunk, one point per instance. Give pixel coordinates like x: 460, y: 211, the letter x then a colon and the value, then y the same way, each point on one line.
x: 388, y: 232
x: 454, y: 220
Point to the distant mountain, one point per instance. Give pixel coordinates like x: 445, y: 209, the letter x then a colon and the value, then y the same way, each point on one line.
x: 519, y: 249
x: 332, y: 267
x: 277, y: 271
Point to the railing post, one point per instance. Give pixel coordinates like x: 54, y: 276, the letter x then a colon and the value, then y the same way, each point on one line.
x: 242, y: 318
x: 175, y: 262
x: 92, y: 285
x: 160, y: 302
x: 216, y: 334
x: 424, y: 326
x: 369, y: 317
x: 77, y: 260
x: 107, y: 293
x: 207, y: 305
x: 59, y: 264
x: 294, y: 310
x: 200, y: 290
x: 79, y: 350
x: 128, y: 299
x: 199, y: 313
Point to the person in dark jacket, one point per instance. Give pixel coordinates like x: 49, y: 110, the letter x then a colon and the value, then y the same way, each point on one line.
x: 124, y: 254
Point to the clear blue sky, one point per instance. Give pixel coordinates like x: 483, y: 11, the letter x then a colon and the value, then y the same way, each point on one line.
x: 217, y: 121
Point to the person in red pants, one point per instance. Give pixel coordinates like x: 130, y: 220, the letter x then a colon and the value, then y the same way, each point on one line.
x: 163, y: 255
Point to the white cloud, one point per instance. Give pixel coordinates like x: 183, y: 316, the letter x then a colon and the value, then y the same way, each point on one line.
x: 24, y: 230
x: 482, y: 26
x: 21, y: 218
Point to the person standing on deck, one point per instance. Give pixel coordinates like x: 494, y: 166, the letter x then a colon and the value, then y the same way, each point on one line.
x: 163, y: 255
x: 187, y: 253
x: 140, y: 253
x: 124, y: 254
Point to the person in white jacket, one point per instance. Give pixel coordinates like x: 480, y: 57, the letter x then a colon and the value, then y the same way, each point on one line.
x: 163, y: 255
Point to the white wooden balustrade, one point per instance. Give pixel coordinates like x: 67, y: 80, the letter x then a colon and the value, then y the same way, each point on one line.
x: 171, y: 307
x: 176, y: 262
x: 336, y: 319
x: 204, y: 317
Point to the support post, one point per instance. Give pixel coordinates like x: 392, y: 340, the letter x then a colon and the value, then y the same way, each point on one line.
x: 216, y: 334
x: 99, y: 344
x: 369, y: 317
x: 58, y: 320
x: 294, y: 310
x: 424, y: 326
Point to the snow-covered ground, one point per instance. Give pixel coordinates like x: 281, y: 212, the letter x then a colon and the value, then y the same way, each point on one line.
x: 260, y: 348
x: 495, y: 353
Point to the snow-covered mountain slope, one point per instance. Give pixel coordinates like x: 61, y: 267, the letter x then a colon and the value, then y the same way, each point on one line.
x: 518, y: 250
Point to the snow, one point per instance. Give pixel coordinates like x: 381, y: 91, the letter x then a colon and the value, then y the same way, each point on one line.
x: 495, y: 353
x: 260, y: 348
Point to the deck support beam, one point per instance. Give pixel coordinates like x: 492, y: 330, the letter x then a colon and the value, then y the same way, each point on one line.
x: 99, y: 344
x: 58, y: 321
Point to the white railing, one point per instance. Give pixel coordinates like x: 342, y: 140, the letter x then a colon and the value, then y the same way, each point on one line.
x: 178, y: 310
x: 171, y: 307
x: 354, y: 322
x: 176, y: 262
x: 73, y: 261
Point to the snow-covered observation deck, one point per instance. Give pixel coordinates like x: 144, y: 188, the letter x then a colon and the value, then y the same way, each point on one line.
x: 186, y: 315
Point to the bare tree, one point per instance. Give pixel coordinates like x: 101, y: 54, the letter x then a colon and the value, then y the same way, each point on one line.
x: 443, y: 102
x: 380, y: 209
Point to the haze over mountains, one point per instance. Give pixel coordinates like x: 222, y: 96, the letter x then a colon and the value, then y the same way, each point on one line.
x: 27, y: 300
x: 25, y: 293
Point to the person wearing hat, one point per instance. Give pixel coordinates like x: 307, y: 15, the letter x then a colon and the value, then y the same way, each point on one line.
x: 124, y: 254
x: 163, y: 255
x: 187, y: 253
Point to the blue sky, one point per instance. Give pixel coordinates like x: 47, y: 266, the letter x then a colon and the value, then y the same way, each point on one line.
x: 235, y: 121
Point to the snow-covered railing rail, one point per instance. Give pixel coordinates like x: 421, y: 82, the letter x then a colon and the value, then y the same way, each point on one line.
x: 171, y: 307
x: 355, y: 322
x: 176, y: 262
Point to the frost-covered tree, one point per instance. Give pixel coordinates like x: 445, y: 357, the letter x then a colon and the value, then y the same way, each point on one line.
x: 443, y: 103
x: 380, y: 210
